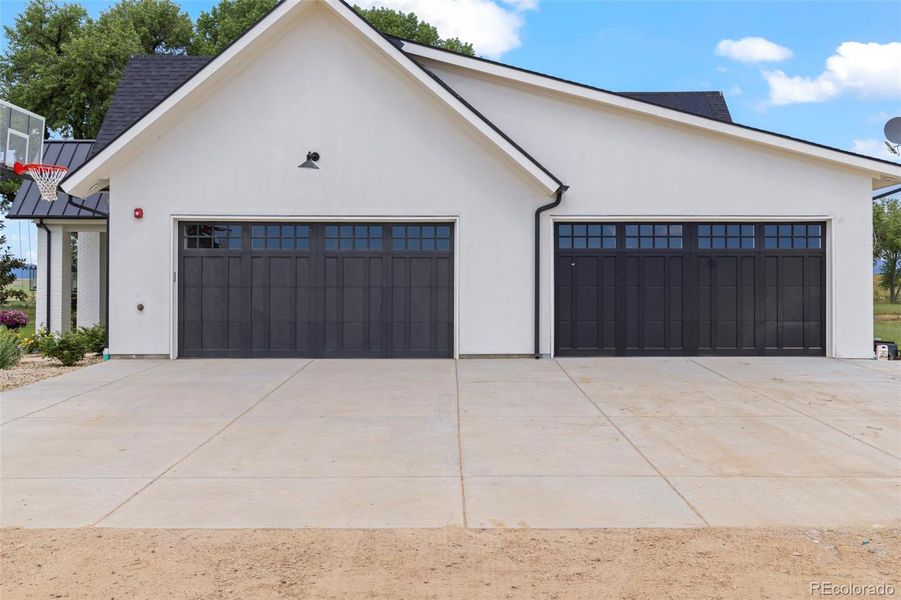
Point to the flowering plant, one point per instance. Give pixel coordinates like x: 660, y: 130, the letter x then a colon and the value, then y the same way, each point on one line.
x: 13, y: 319
x: 33, y: 343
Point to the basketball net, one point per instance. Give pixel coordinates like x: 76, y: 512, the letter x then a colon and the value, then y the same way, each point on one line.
x: 47, y: 177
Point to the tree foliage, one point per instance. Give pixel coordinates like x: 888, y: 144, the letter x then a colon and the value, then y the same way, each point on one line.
x: 64, y: 65
x: 887, y: 245
x: 225, y: 22
x: 8, y: 261
x: 409, y: 27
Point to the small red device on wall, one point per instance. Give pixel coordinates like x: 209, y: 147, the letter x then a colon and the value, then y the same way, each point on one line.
x: 139, y: 213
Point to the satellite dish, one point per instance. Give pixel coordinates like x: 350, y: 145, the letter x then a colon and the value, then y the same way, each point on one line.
x: 893, y: 130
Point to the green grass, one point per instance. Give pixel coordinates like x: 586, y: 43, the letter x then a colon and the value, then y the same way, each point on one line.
x: 884, y: 308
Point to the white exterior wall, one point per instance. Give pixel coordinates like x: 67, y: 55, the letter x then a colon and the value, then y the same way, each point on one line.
x: 389, y: 151
x: 621, y: 166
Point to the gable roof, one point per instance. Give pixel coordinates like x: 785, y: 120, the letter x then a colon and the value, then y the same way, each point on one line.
x: 704, y: 110
x: 147, y: 80
x: 28, y: 203
x: 85, y: 178
x: 885, y: 172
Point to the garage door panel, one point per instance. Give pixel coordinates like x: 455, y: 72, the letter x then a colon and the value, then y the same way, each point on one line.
x: 587, y: 307
x: 281, y: 335
x: 587, y: 335
x: 421, y: 301
x: 213, y: 334
x: 586, y: 270
x: 316, y: 290
x: 282, y: 303
x: 690, y: 288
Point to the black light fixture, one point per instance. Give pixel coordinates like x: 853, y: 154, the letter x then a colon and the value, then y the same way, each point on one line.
x: 310, y: 162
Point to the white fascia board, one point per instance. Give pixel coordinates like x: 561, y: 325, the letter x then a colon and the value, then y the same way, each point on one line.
x: 884, y: 174
x: 80, y: 182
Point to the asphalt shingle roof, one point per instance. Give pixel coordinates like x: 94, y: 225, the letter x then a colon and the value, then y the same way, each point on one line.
x: 706, y: 104
x: 28, y: 203
x: 148, y: 80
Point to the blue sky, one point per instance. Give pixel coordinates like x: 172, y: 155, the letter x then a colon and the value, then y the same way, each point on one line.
x: 781, y: 83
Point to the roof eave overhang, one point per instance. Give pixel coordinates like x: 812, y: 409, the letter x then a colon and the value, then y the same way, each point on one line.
x: 883, y: 173
x: 88, y: 178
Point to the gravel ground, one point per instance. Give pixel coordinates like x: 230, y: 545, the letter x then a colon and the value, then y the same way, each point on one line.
x: 443, y: 563
x: 35, y: 367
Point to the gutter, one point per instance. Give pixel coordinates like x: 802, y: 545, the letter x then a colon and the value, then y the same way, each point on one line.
x: 538, y: 211
x: 897, y: 190
x: 49, y: 235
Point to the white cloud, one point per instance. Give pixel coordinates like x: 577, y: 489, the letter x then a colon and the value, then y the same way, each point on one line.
x: 735, y: 90
x: 869, y: 70
x: 875, y: 148
x: 492, y: 28
x: 752, y: 50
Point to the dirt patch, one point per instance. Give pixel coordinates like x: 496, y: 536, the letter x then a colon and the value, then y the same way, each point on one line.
x: 34, y: 367
x: 443, y: 563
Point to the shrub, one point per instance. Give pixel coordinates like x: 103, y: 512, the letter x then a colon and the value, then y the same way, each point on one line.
x: 10, y: 351
x: 94, y: 337
x: 13, y: 319
x: 33, y: 343
x: 68, y: 348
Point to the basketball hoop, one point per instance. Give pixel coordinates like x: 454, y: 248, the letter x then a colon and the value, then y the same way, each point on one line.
x: 46, y: 176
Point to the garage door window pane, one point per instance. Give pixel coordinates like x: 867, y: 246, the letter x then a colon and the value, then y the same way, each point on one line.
x: 284, y: 236
x: 594, y: 236
x: 721, y: 236
x: 659, y: 236
x: 212, y: 236
x: 420, y: 237
x: 797, y: 236
x: 353, y: 237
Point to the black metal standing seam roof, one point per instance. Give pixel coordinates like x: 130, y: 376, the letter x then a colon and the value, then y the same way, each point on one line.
x: 28, y: 203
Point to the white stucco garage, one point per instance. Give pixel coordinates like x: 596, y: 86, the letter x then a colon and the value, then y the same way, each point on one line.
x: 417, y: 233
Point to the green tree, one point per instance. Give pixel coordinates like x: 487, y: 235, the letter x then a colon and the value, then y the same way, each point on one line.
x: 8, y: 261
x: 887, y: 245
x: 35, y: 46
x: 409, y: 27
x: 162, y: 26
x: 227, y: 20
x: 66, y: 66
x: 90, y: 72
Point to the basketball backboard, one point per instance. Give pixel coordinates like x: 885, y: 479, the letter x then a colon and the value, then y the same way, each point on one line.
x: 21, y: 136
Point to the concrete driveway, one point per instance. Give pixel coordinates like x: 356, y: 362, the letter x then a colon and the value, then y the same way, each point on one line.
x: 482, y: 443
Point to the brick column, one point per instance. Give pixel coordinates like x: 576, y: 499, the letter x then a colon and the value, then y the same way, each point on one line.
x: 90, y: 274
x: 60, y: 279
x: 40, y: 296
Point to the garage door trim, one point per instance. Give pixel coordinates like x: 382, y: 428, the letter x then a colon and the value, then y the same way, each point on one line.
x: 176, y: 221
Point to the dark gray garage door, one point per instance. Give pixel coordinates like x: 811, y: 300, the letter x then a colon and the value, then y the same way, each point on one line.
x: 690, y: 288
x: 316, y: 289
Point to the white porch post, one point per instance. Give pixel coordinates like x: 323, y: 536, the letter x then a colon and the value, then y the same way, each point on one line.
x: 60, y: 279
x: 90, y: 275
x: 40, y: 307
